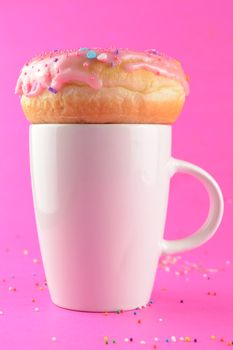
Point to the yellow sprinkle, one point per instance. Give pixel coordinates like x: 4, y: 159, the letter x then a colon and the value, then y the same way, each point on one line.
x: 105, y: 339
x: 187, y: 339
x: 212, y: 337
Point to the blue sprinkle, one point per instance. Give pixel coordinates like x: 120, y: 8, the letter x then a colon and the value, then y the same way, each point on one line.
x: 91, y: 54
x: 54, y: 91
x: 167, y: 340
x: 135, y: 313
x: 83, y: 49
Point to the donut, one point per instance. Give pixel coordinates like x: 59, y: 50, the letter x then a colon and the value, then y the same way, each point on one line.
x: 94, y: 85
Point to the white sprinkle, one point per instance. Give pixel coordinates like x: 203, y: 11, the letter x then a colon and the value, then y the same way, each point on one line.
x: 167, y: 269
x: 177, y: 273
x: 36, y: 309
x: 142, y: 342
x: 181, y: 338
x: 102, y: 57
x: 156, y: 339
x: 1, y: 312
x: 160, y: 320
x: 53, y: 338
x: 228, y: 262
x: 205, y: 275
x: 173, y: 338
x: 126, y: 340
x: 25, y: 252
x: 35, y: 261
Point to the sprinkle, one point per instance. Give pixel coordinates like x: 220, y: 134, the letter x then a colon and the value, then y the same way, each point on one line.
x: 205, y: 275
x: 102, y: 57
x: 56, y: 59
x: 25, y: 73
x: 130, y: 339
x: 177, y: 273
x: 142, y: 342
x: 25, y: 252
x: 51, y: 89
x: 36, y: 309
x: 46, y: 65
x: 118, y: 311
x: 53, y: 338
x: 151, y: 301
x: 135, y: 313
x: 106, y: 339
x: 83, y: 49
x: 35, y: 261
x: 126, y: 340
x: 1, y: 312
x: 160, y: 320
x: 116, y: 52
x: 212, y: 337
x: 114, y: 341
x: 181, y: 338
x: 221, y: 340
x: 155, y: 52
x: 187, y: 339
x: 139, y: 321
x: 173, y: 338
x: 91, y: 54
x: 167, y: 269
x: 167, y: 340
x: 12, y: 289
x: 85, y: 65
x: 195, y: 340
x: 229, y: 343
x: 156, y: 339
x: 181, y: 301
x: 228, y: 262
x: 33, y: 300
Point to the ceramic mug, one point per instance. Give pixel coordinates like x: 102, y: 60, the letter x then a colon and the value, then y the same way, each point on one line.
x: 100, y: 196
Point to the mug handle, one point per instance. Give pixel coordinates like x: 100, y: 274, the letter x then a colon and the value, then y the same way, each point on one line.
x: 207, y: 230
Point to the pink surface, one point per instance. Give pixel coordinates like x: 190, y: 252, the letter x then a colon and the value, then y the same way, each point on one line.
x: 200, y: 35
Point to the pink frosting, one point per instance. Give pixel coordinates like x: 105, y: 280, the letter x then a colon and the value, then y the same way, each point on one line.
x: 55, y: 69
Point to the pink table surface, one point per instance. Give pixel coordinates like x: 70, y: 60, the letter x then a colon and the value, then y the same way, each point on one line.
x: 200, y: 34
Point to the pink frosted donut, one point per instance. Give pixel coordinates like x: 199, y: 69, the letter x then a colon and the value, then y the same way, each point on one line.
x: 102, y: 86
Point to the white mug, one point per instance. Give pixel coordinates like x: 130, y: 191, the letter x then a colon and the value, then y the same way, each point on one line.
x: 100, y: 196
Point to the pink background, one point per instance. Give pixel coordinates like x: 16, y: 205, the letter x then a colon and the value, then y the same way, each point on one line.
x: 200, y: 35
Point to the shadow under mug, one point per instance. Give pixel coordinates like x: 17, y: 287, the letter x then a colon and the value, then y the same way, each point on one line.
x: 100, y: 195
